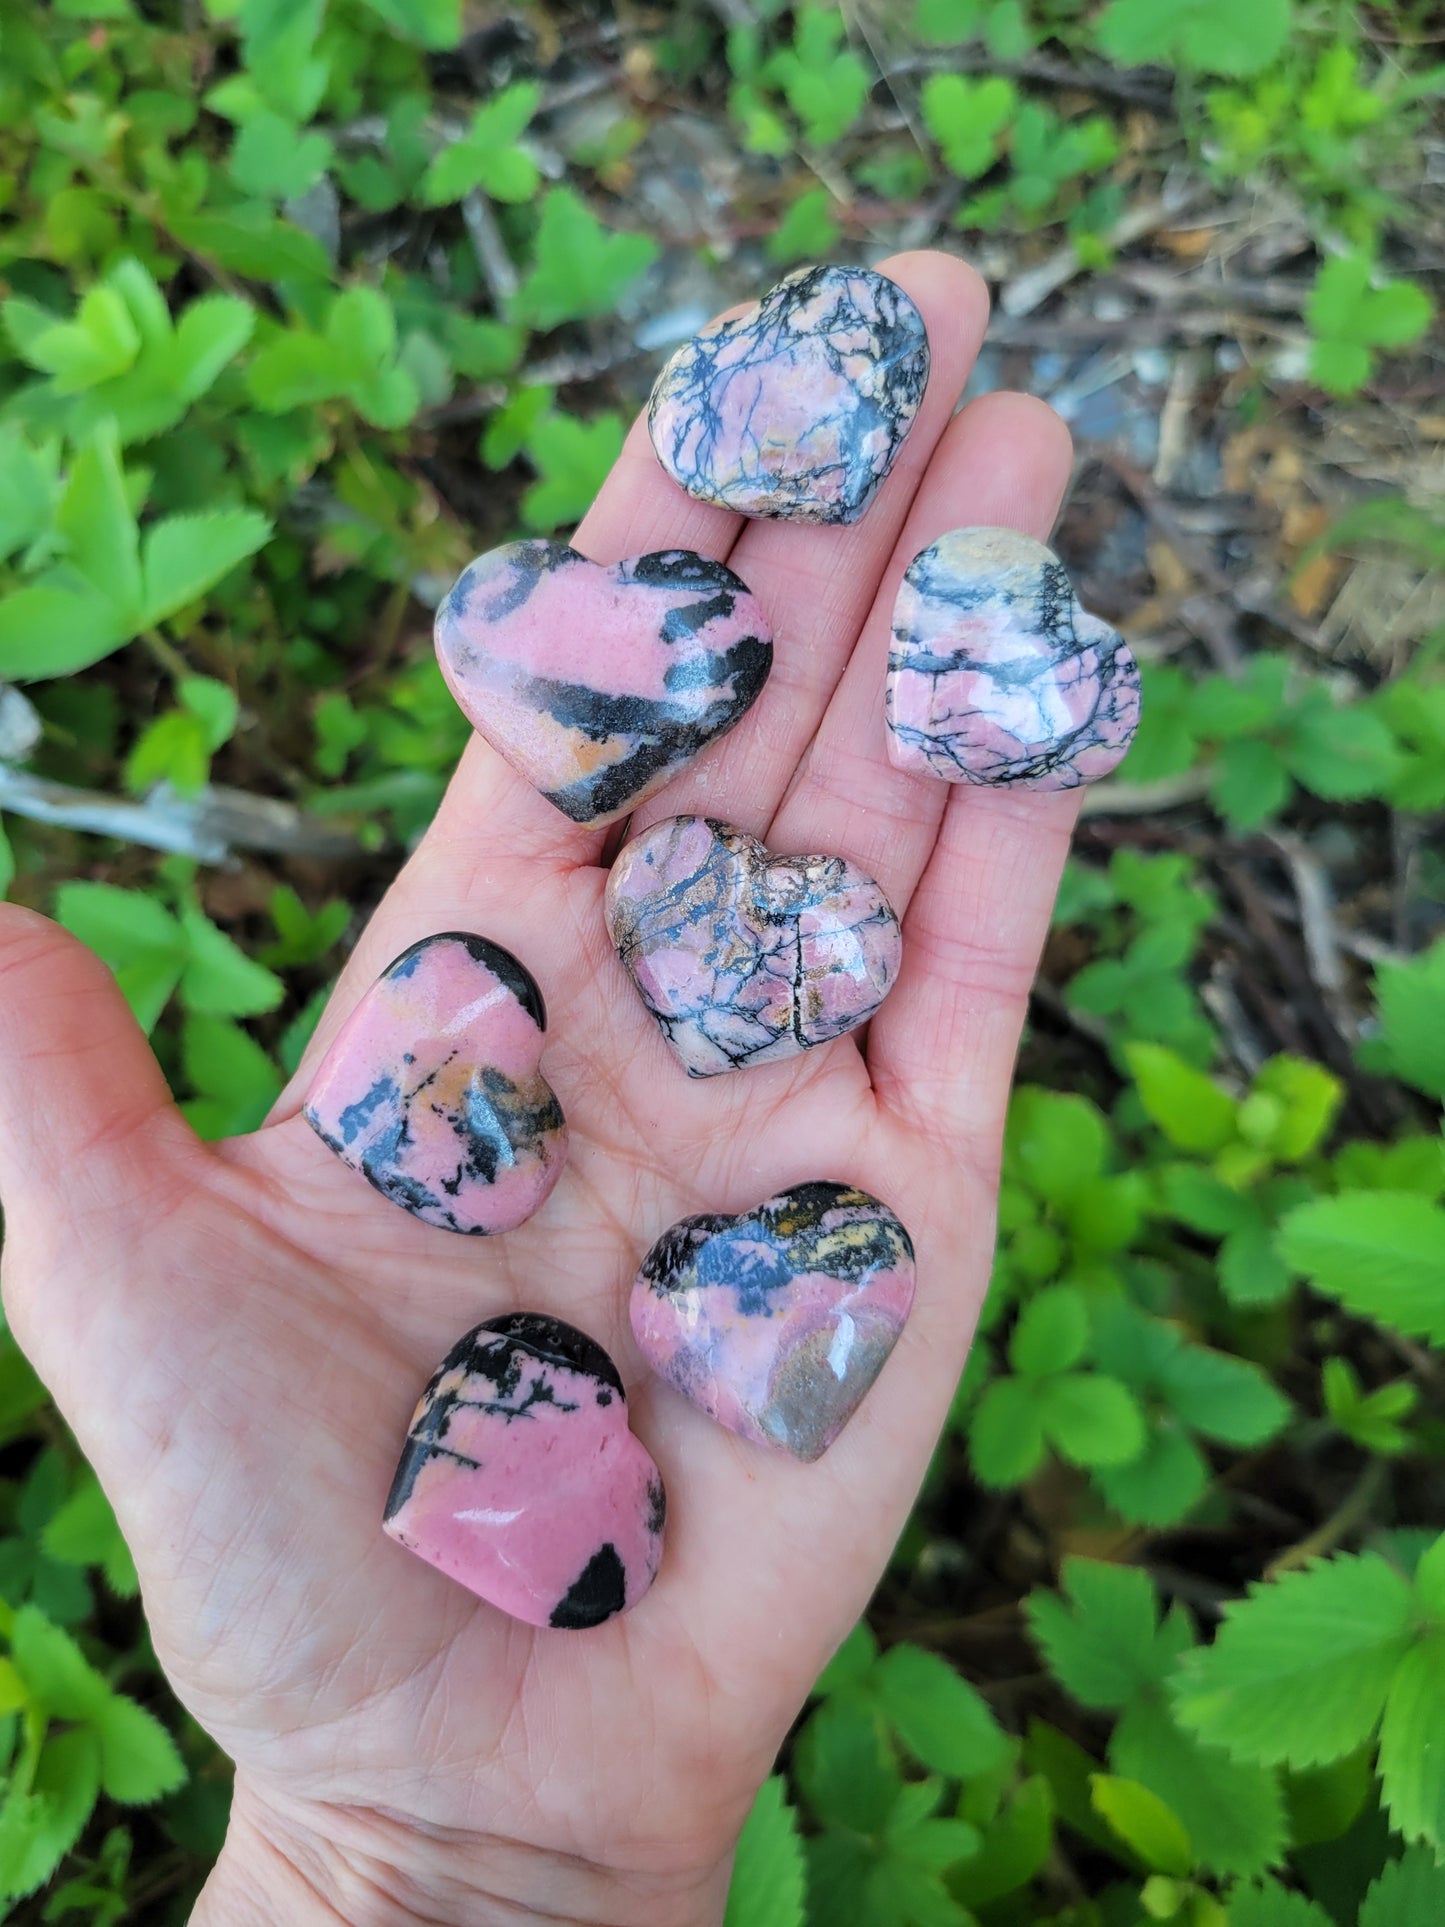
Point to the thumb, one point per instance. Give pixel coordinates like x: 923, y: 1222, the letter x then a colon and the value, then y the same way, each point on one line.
x: 80, y: 1090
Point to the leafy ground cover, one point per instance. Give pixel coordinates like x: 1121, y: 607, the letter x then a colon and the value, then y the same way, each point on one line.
x: 300, y: 306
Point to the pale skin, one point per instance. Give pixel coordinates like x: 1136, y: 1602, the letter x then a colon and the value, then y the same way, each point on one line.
x: 238, y: 1332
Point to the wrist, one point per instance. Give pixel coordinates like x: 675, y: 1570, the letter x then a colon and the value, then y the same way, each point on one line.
x: 344, y: 1867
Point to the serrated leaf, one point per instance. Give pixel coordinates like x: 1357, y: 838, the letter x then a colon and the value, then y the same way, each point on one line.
x: 138, y: 1758
x: 37, y: 1830
x: 1271, y: 1905
x: 940, y: 1718
x: 767, y: 1884
x: 1005, y: 1435
x: 1300, y: 1669
x: 83, y: 1532
x: 1189, y: 1108
x: 1381, y: 1253
x: 1232, y: 1811
x: 1101, y: 1637
x: 48, y: 631
x: 57, y: 1675
x: 1051, y: 1333
x: 1250, y: 784
x: 1223, y: 1397
x: 579, y: 267
x: 209, y: 336
x: 1231, y: 37
x: 1411, y: 997
x: 842, y: 1768
x: 219, y: 979
x: 1409, y: 1893
x: 187, y: 555
x: 95, y: 518
x: 135, y: 935
x: 1412, y: 1759
x: 1090, y: 1419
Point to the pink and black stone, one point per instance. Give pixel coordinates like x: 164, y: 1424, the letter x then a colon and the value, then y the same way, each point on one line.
x: 776, y: 1322
x: 997, y: 674
x: 744, y: 957
x: 598, y: 684
x: 796, y: 409
x: 432, y: 1088
x: 521, y: 1479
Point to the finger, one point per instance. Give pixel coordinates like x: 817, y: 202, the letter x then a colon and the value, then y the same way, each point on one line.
x: 818, y: 584
x: 85, y: 1115
x: 941, y: 1050
x: 1003, y: 463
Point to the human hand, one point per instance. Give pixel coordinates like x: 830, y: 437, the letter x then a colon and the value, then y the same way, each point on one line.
x: 238, y: 1332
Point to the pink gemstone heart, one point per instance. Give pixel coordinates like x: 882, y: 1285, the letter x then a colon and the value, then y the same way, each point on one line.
x: 776, y: 1322
x: 598, y: 684
x: 521, y: 1479
x: 998, y: 675
x: 432, y: 1088
x: 744, y: 957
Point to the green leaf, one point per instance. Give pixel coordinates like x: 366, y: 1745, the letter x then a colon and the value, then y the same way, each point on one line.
x: 100, y: 343
x: 1230, y: 37
x: 969, y: 119
x: 83, y: 1532
x: 28, y: 483
x: 767, y: 1881
x: 209, y: 336
x: 1311, y: 1097
x: 947, y: 23
x: 1006, y: 1435
x: 1059, y: 1142
x: 135, y: 935
x: 138, y: 1758
x: 47, y: 630
x: 1091, y: 1420
x: 1251, y: 1271
x: 1101, y: 1638
x: 1409, y: 1893
x: 842, y: 1767
x: 37, y: 1830
x: 1342, y: 753
x: 1300, y: 1669
x: 1051, y: 1333
x: 808, y: 229
x: 1412, y: 1759
x: 1225, y: 1398
x: 487, y: 156
x: 1381, y: 1253
x: 1271, y: 1905
x: 1412, y: 1018
x: 1251, y: 783
x: 56, y: 1673
x: 1189, y: 1108
x: 95, y: 518
x: 1233, y: 1811
x: 1144, y: 1823
x: 275, y: 160
x: 435, y: 24
x: 7, y: 862
x: 573, y: 459
x: 1016, y: 1847
x: 220, y: 980
x: 940, y: 1718
x: 236, y: 1080
x: 187, y: 555
x: 1340, y: 367
x: 579, y: 268
x: 1162, y: 1485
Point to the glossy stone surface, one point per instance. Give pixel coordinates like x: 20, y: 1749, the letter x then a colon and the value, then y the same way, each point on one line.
x: 798, y: 408
x: 744, y: 957
x: 598, y: 684
x: 997, y: 674
x: 776, y: 1322
x: 521, y: 1480
x: 432, y: 1089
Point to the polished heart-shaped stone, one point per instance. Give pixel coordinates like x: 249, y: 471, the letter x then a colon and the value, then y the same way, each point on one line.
x: 521, y: 1479
x: 997, y: 674
x: 744, y: 957
x: 599, y: 683
x: 798, y: 408
x: 432, y: 1088
x: 776, y: 1322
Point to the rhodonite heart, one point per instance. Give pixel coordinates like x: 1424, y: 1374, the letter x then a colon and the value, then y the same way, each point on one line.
x: 598, y: 684
x: 744, y: 957
x: 997, y: 674
x: 797, y: 408
x: 777, y: 1321
x: 521, y: 1479
x: 432, y: 1088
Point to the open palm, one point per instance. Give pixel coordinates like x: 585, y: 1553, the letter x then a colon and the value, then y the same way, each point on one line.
x: 238, y: 1332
